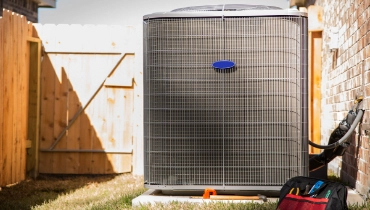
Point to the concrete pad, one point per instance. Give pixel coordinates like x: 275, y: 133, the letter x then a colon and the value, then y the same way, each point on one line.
x: 354, y: 198
x: 155, y: 196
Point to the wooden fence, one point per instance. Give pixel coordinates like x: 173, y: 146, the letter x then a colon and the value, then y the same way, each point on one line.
x: 79, y: 111
x: 87, y: 99
x: 14, y: 87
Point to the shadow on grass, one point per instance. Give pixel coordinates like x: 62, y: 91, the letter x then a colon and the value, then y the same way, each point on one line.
x: 45, y: 188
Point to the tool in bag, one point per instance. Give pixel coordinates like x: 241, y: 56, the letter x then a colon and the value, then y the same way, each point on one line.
x: 312, y: 194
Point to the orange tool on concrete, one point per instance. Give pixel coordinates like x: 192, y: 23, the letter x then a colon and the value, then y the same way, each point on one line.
x: 210, y: 193
x: 238, y: 197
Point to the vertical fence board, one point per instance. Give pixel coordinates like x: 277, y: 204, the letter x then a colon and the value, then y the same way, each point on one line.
x: 100, y: 128
x: 73, y: 139
x: 118, y: 117
x: 87, y: 131
x: 8, y: 113
x: 138, y: 155
x: 16, y: 97
x: 60, y: 109
x: 111, y: 128
x: 20, y: 108
x: 48, y: 79
x: 33, y: 97
x: 29, y: 29
x: 13, y: 95
x: 128, y: 104
x: 33, y: 134
x: 128, y: 119
x: 24, y: 86
x: 1, y: 97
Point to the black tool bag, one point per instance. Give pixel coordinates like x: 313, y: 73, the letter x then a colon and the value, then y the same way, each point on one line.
x: 312, y: 194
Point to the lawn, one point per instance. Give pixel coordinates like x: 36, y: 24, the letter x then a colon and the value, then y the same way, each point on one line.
x: 73, y: 192
x: 96, y: 192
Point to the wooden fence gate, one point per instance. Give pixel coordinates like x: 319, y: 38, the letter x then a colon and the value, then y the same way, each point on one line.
x: 87, y: 99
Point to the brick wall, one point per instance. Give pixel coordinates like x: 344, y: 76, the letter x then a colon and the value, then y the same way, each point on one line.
x: 346, y: 74
x: 28, y: 8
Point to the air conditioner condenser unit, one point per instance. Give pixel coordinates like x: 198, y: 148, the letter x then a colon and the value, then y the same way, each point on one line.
x: 225, y: 98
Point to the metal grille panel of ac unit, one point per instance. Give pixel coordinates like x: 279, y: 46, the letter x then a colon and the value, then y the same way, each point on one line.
x: 239, y: 128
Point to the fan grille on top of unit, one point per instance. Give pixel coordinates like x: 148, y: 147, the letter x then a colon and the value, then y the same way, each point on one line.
x: 225, y: 7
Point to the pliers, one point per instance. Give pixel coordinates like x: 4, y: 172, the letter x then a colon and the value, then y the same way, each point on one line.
x: 294, y: 190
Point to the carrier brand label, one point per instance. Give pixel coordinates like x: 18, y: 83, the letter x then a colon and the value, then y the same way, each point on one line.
x: 223, y: 64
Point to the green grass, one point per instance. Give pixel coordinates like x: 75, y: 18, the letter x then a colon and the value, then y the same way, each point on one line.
x: 73, y: 192
x: 100, y: 192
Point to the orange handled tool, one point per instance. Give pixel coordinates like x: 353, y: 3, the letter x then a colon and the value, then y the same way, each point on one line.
x: 208, y: 192
x: 238, y: 197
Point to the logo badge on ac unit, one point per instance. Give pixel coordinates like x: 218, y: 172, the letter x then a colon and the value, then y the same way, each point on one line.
x: 223, y: 64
